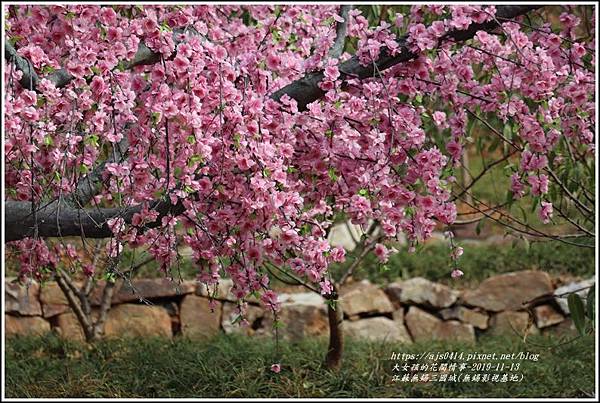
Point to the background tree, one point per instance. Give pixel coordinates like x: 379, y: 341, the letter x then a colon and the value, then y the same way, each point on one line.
x: 244, y: 132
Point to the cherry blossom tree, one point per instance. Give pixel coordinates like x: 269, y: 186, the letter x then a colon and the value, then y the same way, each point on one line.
x: 243, y: 132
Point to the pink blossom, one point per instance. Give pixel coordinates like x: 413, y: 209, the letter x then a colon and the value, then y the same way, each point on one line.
x: 338, y: 254
x: 269, y: 300
x: 382, y: 253
x: 181, y: 63
x: 326, y: 287
x: 439, y: 119
x: 255, y: 178
x: 273, y: 61
x: 546, y: 212
x: 516, y: 186
x: 276, y: 368
x: 456, y: 273
x: 108, y: 15
x: 539, y: 184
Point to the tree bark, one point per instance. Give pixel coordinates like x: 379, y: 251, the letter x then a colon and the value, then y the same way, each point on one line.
x: 335, y: 314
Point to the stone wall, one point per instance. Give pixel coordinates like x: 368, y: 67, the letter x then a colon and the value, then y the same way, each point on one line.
x: 413, y: 310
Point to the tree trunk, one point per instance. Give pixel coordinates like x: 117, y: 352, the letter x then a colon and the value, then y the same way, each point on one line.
x: 335, y: 314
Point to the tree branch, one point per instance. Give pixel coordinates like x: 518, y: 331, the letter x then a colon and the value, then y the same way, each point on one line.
x: 62, y: 77
x: 59, y: 219
x: 89, y: 185
x: 340, y: 33
x: 306, y: 89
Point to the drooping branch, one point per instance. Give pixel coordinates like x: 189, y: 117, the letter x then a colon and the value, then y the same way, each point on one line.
x: 306, y: 89
x: 90, y: 185
x: 29, y: 76
x: 62, y: 77
x: 60, y: 218
x: 340, y: 33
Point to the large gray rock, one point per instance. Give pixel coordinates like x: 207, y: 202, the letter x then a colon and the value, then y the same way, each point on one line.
x: 22, y: 299
x: 25, y: 325
x: 377, y: 329
x: 68, y: 327
x: 471, y: 316
x: 149, y: 288
x: 344, y: 234
x: 421, y: 324
x: 546, y: 315
x: 364, y: 297
x: 137, y: 320
x: 301, y: 315
x: 424, y: 326
x: 421, y: 291
x: 563, y: 329
x: 509, y: 291
x: 512, y: 323
x: 196, y: 318
x: 580, y: 288
x: 53, y: 300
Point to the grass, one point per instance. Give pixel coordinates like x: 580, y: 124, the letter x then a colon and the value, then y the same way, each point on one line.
x: 478, y: 262
x: 236, y: 366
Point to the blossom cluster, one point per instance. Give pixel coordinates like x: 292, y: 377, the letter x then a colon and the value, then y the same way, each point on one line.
x: 260, y: 181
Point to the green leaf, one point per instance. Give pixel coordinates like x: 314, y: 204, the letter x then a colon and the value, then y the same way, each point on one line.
x: 507, y: 132
x: 332, y: 303
x: 332, y: 174
x: 363, y: 192
x: 278, y: 324
x: 164, y: 26
x: 577, y: 312
x: 155, y: 117
x: 191, y: 139
x: 121, y: 66
x: 110, y: 277
x: 48, y: 69
x: 509, y: 197
x: 535, y: 203
x: 13, y: 40
x: 478, y: 227
x: 92, y: 139
x: 237, y: 319
x: 194, y: 159
x: 591, y: 303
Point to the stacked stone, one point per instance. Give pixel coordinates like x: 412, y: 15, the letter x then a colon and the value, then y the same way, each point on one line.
x: 413, y: 310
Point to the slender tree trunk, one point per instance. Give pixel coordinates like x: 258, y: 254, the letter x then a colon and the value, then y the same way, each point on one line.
x: 71, y: 293
x: 335, y: 314
x: 105, y: 306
